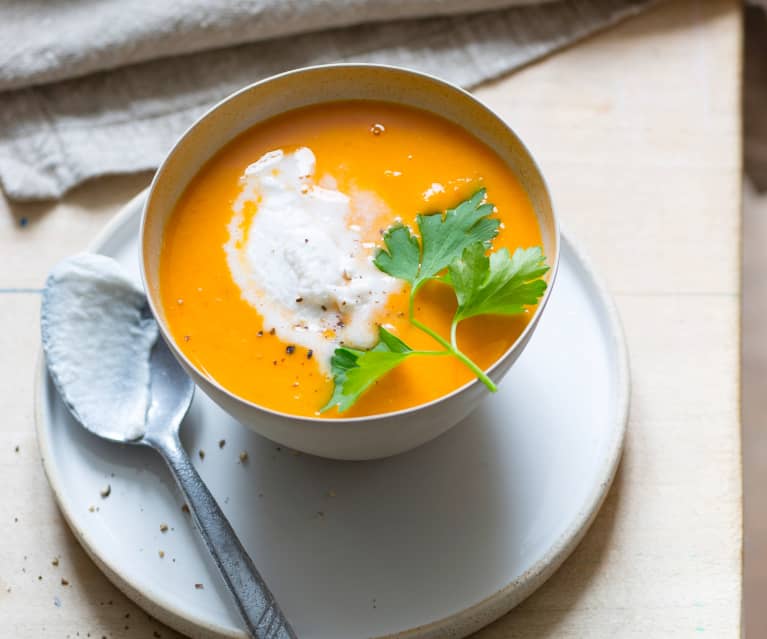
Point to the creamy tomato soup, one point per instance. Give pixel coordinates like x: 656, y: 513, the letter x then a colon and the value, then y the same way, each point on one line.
x: 266, y: 265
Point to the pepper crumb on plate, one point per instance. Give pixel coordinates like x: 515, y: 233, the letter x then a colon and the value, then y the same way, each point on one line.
x: 202, y: 453
x: 221, y: 443
x: 243, y: 456
x: 198, y: 586
x: 106, y: 491
x: 64, y: 582
x: 163, y: 527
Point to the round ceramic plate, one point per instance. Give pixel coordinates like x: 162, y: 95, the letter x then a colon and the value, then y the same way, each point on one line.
x: 435, y: 542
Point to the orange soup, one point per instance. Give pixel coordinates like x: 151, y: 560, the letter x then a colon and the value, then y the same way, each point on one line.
x: 385, y: 163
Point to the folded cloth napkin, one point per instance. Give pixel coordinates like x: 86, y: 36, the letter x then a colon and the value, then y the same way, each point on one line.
x: 89, y: 88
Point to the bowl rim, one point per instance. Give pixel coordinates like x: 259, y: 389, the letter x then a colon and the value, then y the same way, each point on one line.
x: 363, y: 419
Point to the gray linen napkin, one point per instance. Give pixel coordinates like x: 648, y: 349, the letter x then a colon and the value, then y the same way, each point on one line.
x: 100, y: 87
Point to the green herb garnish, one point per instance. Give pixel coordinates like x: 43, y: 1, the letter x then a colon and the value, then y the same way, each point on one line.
x: 354, y: 370
x: 452, y: 249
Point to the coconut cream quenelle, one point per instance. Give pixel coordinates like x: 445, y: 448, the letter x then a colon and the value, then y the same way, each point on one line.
x: 313, y: 277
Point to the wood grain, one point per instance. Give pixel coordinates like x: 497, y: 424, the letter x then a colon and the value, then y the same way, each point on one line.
x: 638, y: 131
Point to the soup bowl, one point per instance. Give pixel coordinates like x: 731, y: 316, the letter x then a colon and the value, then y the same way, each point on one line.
x: 353, y: 438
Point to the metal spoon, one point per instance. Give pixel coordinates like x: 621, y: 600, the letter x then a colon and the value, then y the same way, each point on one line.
x: 171, y: 391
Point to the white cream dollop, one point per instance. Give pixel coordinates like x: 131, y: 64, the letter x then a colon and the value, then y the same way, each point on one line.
x: 299, y: 261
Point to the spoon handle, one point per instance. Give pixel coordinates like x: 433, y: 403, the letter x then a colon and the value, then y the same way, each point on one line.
x: 258, y: 607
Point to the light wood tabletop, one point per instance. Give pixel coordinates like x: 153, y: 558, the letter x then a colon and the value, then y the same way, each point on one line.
x: 638, y: 131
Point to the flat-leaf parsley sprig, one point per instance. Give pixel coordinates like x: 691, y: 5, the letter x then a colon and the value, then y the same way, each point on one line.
x: 452, y: 249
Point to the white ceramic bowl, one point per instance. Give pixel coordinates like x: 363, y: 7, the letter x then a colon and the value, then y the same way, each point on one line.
x: 358, y: 437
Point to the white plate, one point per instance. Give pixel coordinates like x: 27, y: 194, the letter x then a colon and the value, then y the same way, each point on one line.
x: 438, y: 541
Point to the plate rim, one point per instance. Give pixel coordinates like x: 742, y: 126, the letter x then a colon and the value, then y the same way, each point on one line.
x: 460, y: 623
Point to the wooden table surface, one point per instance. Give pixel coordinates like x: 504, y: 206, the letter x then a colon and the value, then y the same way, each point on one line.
x: 638, y: 131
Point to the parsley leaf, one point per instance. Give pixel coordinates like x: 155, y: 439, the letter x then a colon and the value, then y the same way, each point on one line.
x: 497, y: 285
x: 354, y: 371
x: 452, y: 250
x: 402, y: 256
x: 392, y: 342
x: 443, y: 239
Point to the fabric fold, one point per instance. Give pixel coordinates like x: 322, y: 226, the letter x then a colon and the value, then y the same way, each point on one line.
x: 57, y: 135
x: 46, y: 42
